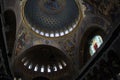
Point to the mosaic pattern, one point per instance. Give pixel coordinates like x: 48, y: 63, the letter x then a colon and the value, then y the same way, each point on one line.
x: 57, y: 24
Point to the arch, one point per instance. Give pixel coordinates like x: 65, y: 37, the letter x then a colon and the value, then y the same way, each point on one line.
x: 10, y: 27
x: 89, y: 34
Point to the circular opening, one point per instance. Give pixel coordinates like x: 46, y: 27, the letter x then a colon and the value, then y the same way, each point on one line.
x: 46, y: 17
x: 40, y: 78
x: 42, y: 59
x: 10, y: 27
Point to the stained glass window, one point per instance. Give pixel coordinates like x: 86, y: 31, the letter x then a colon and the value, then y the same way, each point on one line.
x: 95, y: 43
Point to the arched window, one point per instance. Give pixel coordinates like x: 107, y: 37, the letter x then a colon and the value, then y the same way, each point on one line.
x: 92, y: 39
x: 10, y: 27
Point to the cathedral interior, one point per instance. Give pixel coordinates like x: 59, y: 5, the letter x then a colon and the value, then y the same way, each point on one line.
x: 59, y: 39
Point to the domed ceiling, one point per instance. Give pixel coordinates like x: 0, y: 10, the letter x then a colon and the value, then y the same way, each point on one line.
x: 43, y: 60
x: 51, y: 18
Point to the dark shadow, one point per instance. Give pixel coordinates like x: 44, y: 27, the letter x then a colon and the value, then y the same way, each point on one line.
x: 10, y: 29
x: 44, y: 54
x: 40, y: 78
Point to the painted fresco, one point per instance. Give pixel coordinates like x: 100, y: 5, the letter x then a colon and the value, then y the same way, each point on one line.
x: 109, y: 8
x: 23, y: 39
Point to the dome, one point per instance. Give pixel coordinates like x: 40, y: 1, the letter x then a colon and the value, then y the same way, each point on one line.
x: 51, y: 18
x: 42, y: 60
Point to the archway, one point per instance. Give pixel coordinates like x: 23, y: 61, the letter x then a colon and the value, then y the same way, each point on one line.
x: 10, y: 28
x: 92, y: 39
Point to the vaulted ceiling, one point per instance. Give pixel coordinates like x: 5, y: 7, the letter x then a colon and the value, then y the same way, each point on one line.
x: 55, y: 38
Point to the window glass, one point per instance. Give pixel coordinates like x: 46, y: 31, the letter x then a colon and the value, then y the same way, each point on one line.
x: 95, y: 43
